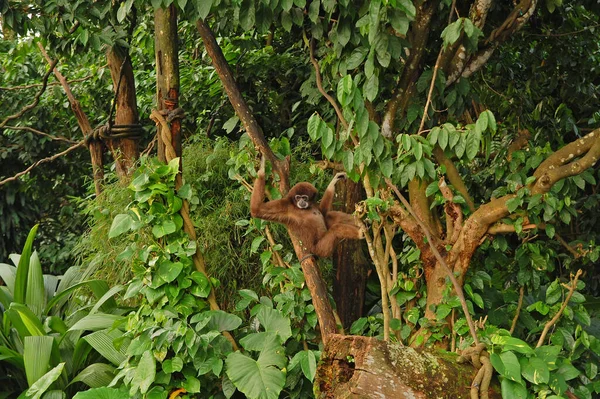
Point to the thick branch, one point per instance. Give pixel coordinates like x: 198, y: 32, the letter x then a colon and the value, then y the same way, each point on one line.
x: 238, y: 102
x: 454, y: 176
x: 419, y: 36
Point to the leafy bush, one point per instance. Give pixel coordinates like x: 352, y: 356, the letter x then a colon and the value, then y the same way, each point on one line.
x: 43, y: 346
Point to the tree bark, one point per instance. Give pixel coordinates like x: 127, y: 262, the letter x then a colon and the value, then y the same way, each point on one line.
x: 167, y: 72
x: 124, y: 150
x: 350, y: 264
x: 364, y: 367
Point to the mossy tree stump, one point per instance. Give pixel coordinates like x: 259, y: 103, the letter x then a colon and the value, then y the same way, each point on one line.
x: 362, y: 367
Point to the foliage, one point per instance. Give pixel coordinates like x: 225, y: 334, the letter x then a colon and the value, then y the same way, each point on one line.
x: 43, y: 346
x: 176, y: 340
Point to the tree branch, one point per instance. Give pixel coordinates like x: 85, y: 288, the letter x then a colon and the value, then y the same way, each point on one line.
x: 561, y: 310
x: 24, y: 87
x: 36, y: 99
x: 41, y: 161
x: 459, y: 292
x: 39, y: 132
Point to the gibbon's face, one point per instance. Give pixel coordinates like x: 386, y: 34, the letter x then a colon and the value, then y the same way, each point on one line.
x: 302, y: 195
x: 302, y: 201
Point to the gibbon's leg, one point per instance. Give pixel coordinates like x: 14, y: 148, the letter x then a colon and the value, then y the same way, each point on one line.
x: 324, y: 247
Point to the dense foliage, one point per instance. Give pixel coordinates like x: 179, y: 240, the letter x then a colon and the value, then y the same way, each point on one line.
x: 460, y: 111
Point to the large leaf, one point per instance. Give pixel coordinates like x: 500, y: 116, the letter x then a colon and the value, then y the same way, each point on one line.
x: 42, y: 385
x: 144, y: 373
x: 24, y: 320
x: 258, y: 379
x: 102, y: 393
x: 95, y: 375
x: 35, y: 297
x: 96, y: 322
x: 62, y: 296
x: 223, y: 321
x: 36, y: 356
x: 273, y: 321
x: 102, y: 341
x: 20, y: 287
x: 8, y: 274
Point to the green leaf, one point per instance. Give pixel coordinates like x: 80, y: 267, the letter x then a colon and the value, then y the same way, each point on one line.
x: 513, y: 204
x: 309, y: 365
x: 568, y: 372
x: 35, y: 297
x: 20, y: 288
x: 24, y: 320
x: 36, y: 357
x: 99, y: 321
x: 443, y: 139
x: 512, y: 368
x: 472, y: 144
x: 509, y: 343
x: 102, y: 393
x: 258, y: 379
x: 231, y: 123
x: 144, y: 374
x: 223, y: 321
x: 432, y: 188
x: 452, y: 32
x: 168, y: 271
x: 203, y: 8
x: 37, y: 390
x: 314, y: 126
x: 122, y: 223
x: 371, y: 87
x: 273, y: 321
x: 513, y: 390
x: 96, y: 375
x: 357, y: 57
x: 103, y: 342
x: 535, y: 370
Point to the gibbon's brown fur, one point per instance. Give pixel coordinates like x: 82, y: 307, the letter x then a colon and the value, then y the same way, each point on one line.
x: 317, y: 227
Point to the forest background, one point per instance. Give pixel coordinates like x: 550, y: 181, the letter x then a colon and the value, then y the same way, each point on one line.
x: 485, y: 116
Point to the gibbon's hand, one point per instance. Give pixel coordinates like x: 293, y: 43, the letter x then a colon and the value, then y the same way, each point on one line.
x: 339, y: 176
x: 261, y: 170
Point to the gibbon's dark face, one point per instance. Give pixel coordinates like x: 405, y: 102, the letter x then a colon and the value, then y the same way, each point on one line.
x: 302, y: 195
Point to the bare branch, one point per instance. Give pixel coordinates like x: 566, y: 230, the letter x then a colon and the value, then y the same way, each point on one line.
x: 25, y: 87
x: 36, y: 99
x: 518, y: 312
x: 41, y: 161
x: 39, y: 132
x: 561, y: 310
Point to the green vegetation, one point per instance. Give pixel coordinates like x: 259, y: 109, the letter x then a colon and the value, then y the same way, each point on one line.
x: 487, y: 119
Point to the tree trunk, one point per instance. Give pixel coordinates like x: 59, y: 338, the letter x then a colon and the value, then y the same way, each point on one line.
x: 124, y: 150
x: 167, y: 72
x: 364, y: 367
x: 350, y: 264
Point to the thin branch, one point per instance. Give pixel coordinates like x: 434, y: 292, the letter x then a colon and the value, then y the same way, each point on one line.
x: 41, y: 161
x: 442, y: 262
x: 431, y: 86
x: 518, y: 312
x: 36, y: 99
x: 561, y: 310
x: 24, y: 87
x: 564, y: 34
x: 51, y: 137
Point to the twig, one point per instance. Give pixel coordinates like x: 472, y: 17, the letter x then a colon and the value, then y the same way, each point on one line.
x: 564, y: 34
x: 41, y: 161
x: 438, y: 256
x: 24, y: 87
x: 36, y: 99
x: 431, y: 86
x: 561, y: 310
x: 51, y: 137
x: 519, y: 304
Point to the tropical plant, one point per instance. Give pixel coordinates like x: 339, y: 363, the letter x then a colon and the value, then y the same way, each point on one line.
x: 44, y: 348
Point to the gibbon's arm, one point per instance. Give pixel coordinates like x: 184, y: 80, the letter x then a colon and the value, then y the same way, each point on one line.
x: 276, y: 211
x: 327, y: 200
